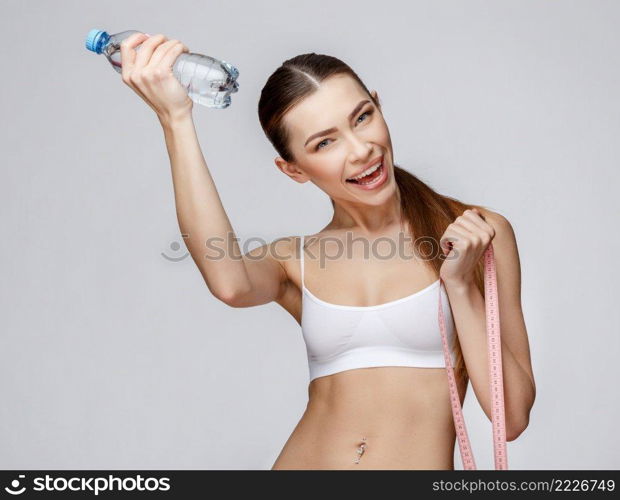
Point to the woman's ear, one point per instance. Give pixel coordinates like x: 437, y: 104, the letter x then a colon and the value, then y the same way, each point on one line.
x: 291, y: 170
x: 375, y: 96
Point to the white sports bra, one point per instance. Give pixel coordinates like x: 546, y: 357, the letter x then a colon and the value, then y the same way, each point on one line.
x: 402, y: 332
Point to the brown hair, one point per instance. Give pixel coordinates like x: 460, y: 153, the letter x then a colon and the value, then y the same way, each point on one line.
x: 426, y: 212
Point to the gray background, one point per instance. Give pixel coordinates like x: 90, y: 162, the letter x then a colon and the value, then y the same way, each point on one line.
x: 112, y: 356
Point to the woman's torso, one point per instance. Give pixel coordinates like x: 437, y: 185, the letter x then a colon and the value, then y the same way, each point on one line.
x: 399, y: 416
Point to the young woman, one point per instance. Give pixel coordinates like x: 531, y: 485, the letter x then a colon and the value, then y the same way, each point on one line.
x: 378, y: 392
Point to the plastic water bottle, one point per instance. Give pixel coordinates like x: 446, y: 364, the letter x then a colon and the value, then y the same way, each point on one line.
x: 208, y: 81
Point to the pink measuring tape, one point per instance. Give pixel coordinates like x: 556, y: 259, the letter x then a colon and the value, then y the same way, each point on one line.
x: 495, y: 373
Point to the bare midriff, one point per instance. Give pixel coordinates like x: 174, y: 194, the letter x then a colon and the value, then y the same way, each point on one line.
x: 374, y: 418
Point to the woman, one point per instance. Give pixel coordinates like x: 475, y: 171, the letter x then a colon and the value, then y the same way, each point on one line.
x: 378, y: 394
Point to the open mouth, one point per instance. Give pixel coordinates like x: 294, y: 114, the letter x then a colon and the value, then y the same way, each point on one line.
x: 371, y: 178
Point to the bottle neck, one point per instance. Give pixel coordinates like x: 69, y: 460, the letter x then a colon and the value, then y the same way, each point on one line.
x: 101, y: 42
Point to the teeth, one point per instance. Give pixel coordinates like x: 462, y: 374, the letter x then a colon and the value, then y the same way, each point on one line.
x: 368, y: 171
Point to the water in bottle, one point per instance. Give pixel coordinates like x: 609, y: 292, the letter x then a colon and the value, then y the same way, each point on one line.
x: 208, y: 81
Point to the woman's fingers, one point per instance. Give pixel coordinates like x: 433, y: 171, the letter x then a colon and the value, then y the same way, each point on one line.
x: 450, y: 238
x: 161, y: 51
x: 149, y: 74
x: 128, y: 53
x: 476, y: 235
x: 477, y: 218
x: 172, y: 53
x: 128, y: 56
x: 468, y: 225
x: 143, y: 56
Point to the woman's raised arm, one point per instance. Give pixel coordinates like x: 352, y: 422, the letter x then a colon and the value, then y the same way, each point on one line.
x: 239, y: 281
x: 232, y: 278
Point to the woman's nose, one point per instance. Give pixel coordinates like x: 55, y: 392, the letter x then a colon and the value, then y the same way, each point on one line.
x: 360, y: 148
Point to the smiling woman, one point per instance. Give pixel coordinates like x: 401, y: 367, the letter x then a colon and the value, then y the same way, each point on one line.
x: 384, y: 398
x: 378, y: 390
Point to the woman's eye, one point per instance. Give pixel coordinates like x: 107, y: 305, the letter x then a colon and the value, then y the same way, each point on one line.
x: 318, y: 146
x: 369, y: 112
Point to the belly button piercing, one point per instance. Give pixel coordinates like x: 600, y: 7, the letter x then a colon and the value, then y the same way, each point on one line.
x: 360, y: 450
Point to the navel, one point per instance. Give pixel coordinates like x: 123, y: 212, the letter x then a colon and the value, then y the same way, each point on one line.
x: 360, y: 450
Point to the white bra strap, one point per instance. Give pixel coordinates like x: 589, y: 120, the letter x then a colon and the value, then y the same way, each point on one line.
x: 301, y: 251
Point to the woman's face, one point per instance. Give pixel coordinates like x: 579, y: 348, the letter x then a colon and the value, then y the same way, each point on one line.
x: 335, y: 134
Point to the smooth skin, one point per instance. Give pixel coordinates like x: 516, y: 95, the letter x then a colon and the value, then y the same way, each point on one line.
x: 402, y: 415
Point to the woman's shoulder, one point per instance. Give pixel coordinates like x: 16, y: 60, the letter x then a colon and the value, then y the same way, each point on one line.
x: 286, y: 249
x: 504, y: 238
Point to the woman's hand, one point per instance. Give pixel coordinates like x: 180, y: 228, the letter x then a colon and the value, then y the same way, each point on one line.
x: 464, y: 243
x: 148, y: 71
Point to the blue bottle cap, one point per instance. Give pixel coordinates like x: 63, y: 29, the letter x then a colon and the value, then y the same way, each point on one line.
x: 96, y: 39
